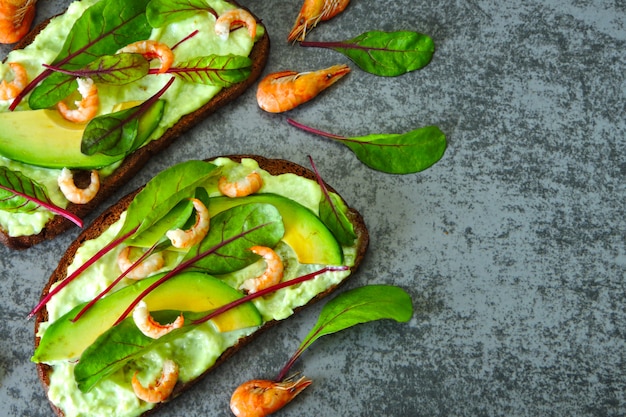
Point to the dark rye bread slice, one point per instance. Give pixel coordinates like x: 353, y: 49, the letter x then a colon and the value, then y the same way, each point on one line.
x: 111, y: 215
x: 133, y: 163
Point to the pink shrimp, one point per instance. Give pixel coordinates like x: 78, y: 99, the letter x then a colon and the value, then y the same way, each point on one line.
x: 232, y: 17
x: 161, y: 389
x: 72, y: 192
x: 260, y: 397
x: 149, y: 265
x: 183, y: 239
x: 151, y: 328
x: 273, y: 271
x: 10, y: 90
x: 313, y: 12
x: 282, y: 91
x: 16, y: 16
x: 87, y: 108
x: 152, y: 50
x: 250, y: 184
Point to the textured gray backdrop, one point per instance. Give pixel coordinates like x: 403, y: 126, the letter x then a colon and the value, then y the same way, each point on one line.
x: 513, y: 246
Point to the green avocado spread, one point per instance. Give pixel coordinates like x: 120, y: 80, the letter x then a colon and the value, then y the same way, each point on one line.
x: 197, y: 350
x: 181, y: 98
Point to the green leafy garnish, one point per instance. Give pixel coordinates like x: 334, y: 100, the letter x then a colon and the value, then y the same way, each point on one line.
x: 163, y: 12
x: 360, y: 305
x: 333, y: 213
x: 405, y: 153
x: 116, y: 134
x: 218, y: 70
x: 118, y: 69
x: 20, y: 194
x: 102, y: 29
x: 387, y: 54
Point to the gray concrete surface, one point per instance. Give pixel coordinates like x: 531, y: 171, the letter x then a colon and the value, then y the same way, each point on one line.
x: 513, y: 246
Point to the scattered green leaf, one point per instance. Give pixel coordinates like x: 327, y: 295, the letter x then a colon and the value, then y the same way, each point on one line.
x: 387, y: 54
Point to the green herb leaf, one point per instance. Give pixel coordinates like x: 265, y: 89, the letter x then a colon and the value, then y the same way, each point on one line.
x: 163, y: 12
x: 233, y: 232
x: 405, y: 153
x: 387, y: 54
x: 118, y: 69
x: 164, y: 192
x: 20, y: 194
x: 102, y: 29
x: 121, y: 344
x: 218, y: 70
x: 360, y: 305
x: 333, y: 213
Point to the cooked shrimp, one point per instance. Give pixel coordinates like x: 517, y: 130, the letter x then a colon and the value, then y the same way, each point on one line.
x: 149, y: 265
x: 152, y: 50
x: 87, y: 108
x: 235, y: 17
x: 183, y: 239
x: 273, y: 271
x: 16, y: 17
x: 151, y: 328
x: 313, y: 12
x: 282, y: 91
x: 250, y: 184
x: 72, y: 192
x: 10, y: 90
x: 162, y: 388
x: 259, y: 397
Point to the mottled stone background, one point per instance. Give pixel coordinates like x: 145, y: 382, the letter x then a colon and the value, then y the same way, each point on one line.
x: 513, y: 246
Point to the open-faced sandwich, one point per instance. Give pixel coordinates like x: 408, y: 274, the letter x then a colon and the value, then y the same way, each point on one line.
x: 90, y: 95
x: 173, y: 279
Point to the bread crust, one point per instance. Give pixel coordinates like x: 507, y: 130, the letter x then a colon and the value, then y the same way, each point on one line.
x: 133, y: 163
x: 112, y: 214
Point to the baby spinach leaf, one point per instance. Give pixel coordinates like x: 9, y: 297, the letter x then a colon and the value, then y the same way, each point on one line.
x: 121, y: 344
x: 404, y: 153
x: 118, y: 69
x: 164, y: 192
x: 333, y: 213
x: 231, y: 235
x: 20, y: 194
x: 116, y: 134
x: 163, y: 12
x: 360, y: 305
x: 102, y: 29
x: 218, y: 70
x: 387, y: 54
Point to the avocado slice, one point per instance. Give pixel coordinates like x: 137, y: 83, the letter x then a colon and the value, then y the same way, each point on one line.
x: 42, y: 138
x: 312, y: 241
x: 188, y: 291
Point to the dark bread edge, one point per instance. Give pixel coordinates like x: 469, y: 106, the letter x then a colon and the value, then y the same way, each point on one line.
x: 133, y: 163
x: 111, y: 215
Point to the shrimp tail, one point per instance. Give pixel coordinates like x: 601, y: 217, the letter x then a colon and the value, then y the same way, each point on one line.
x: 16, y: 18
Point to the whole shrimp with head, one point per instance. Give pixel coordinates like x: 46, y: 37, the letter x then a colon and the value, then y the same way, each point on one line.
x: 313, y: 12
x: 282, y: 91
x: 260, y: 397
x: 16, y: 16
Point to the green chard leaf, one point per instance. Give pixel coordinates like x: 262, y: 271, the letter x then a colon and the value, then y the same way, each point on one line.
x: 163, y: 193
x: 20, y: 194
x: 163, y: 12
x: 121, y: 344
x: 118, y: 69
x: 102, y: 29
x: 217, y: 70
x: 404, y: 153
x: 387, y: 54
x: 226, y: 248
x: 357, y: 306
x: 333, y: 213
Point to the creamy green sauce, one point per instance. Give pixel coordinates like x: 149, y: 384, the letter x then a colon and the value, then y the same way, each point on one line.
x: 182, y: 97
x: 197, y: 350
